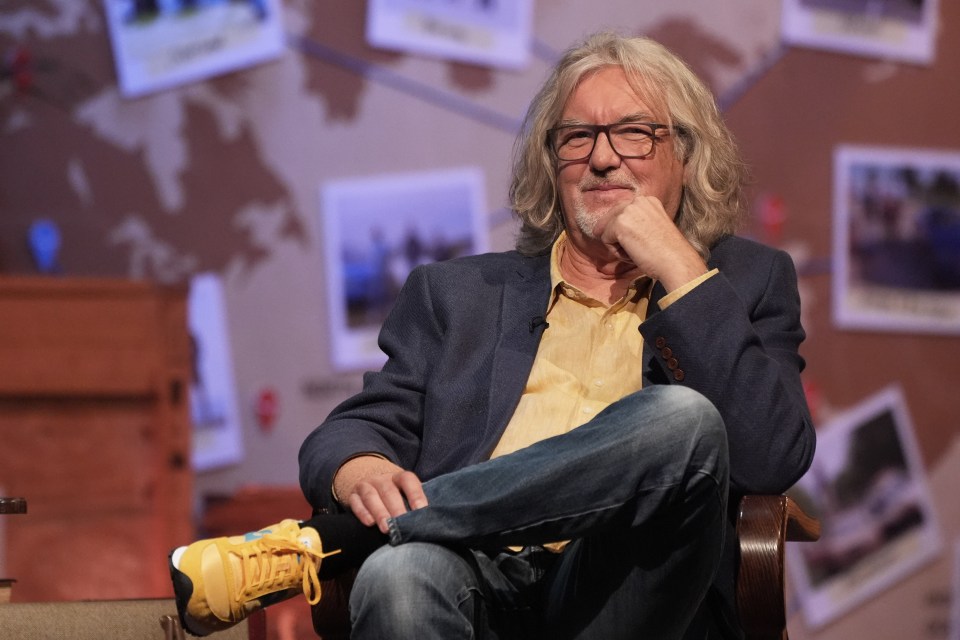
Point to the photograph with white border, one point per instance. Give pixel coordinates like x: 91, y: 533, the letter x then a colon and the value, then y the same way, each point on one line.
x: 159, y: 44
x: 376, y: 230
x: 868, y: 487
x: 904, y: 30
x: 217, y: 437
x: 486, y: 32
x: 896, y: 239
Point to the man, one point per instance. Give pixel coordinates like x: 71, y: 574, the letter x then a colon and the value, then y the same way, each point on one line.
x: 553, y: 444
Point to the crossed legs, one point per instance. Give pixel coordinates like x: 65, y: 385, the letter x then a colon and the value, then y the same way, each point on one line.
x: 641, y: 492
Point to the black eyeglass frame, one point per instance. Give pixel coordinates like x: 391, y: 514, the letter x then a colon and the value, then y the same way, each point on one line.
x: 605, y: 128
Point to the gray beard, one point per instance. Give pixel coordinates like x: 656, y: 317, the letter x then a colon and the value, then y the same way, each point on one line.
x: 586, y: 219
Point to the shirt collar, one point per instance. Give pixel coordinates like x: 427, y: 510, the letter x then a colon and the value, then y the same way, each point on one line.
x: 559, y: 286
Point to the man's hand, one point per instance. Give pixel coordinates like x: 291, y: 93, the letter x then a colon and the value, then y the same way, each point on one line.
x: 375, y: 489
x: 642, y: 233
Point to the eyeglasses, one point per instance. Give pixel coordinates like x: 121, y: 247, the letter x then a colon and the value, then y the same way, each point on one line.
x: 628, y: 139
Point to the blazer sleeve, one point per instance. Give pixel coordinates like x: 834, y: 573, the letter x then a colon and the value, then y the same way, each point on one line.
x: 736, y: 339
x: 386, y: 417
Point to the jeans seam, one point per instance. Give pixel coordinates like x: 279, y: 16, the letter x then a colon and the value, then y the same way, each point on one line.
x: 393, y: 532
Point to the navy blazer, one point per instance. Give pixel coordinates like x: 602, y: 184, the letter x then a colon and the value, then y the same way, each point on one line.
x: 463, y: 335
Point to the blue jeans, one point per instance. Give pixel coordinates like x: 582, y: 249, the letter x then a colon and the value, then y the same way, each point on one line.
x: 640, y: 491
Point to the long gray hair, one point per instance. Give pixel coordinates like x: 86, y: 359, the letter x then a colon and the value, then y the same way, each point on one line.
x: 712, y: 204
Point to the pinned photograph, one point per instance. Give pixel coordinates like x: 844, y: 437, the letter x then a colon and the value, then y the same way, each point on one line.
x: 903, y: 30
x: 868, y: 488
x: 376, y: 230
x: 159, y: 44
x: 217, y: 439
x: 487, y: 32
x: 896, y: 253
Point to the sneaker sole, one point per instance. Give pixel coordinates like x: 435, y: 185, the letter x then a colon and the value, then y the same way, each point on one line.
x: 182, y: 591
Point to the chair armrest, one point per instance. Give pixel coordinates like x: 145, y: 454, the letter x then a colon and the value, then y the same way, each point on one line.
x: 764, y: 525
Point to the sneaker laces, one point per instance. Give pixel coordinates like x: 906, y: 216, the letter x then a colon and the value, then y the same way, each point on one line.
x: 264, y: 569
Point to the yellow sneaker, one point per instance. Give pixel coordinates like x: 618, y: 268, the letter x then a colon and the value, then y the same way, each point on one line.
x: 220, y: 581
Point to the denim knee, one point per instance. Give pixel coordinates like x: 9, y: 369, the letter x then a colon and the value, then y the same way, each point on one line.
x: 702, y: 427
x: 669, y: 420
x: 414, y: 590
x: 663, y: 405
x: 703, y: 416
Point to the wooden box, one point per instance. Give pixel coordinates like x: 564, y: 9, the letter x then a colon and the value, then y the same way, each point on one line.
x: 95, y: 434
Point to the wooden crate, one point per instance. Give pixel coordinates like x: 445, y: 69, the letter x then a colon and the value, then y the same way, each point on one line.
x: 95, y: 434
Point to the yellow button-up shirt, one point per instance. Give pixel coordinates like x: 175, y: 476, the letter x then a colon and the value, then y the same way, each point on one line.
x: 588, y: 358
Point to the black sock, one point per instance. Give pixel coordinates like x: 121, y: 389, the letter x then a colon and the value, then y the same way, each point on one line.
x: 343, y: 531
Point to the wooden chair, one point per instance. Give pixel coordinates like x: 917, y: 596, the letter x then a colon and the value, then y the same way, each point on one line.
x: 764, y: 525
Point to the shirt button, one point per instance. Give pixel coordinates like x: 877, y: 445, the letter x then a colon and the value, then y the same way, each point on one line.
x: 587, y: 410
x: 598, y: 383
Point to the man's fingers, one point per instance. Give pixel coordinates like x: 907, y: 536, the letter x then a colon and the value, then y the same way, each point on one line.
x: 412, y: 489
x: 355, y: 502
x: 377, y: 499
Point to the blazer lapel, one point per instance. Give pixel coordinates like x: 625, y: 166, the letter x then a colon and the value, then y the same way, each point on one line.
x: 524, y: 299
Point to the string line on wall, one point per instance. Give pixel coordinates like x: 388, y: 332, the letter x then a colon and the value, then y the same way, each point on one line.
x: 422, y: 91
x: 739, y: 88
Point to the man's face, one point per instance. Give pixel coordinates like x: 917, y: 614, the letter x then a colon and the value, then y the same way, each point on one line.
x: 591, y: 188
